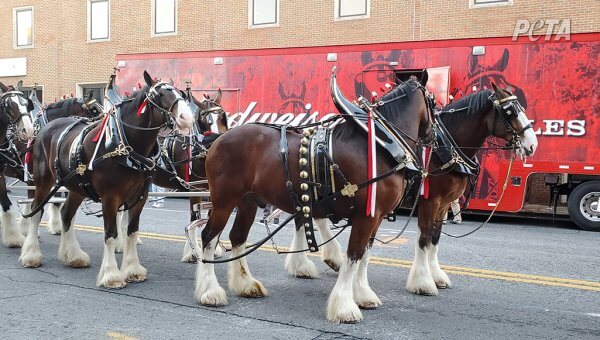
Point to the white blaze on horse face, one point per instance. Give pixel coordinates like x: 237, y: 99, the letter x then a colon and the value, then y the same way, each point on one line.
x: 529, y: 140
x: 25, y: 126
x: 183, y: 118
x: 214, y: 127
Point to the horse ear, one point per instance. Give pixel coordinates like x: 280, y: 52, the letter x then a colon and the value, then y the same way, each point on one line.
x: 20, y: 85
x: 219, y: 96
x: 502, y: 62
x: 171, y: 82
x: 89, y: 97
x: 424, y: 77
x: 497, y: 90
x: 148, y: 79
x: 3, y: 87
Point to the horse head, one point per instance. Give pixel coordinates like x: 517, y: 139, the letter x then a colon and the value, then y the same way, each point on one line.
x: 511, y: 123
x: 15, y: 108
x: 168, y: 100
x: 211, y: 116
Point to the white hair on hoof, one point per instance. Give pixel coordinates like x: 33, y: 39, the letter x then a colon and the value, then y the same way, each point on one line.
x: 131, y: 267
x: 364, y: 296
x: 70, y: 252
x: 208, y: 292
x: 109, y: 275
x: 331, y: 253
x: 298, y: 264
x: 341, y: 307
x: 11, y: 237
x: 440, y: 277
x: 54, y: 220
x: 240, y: 279
x: 31, y: 255
x: 420, y: 280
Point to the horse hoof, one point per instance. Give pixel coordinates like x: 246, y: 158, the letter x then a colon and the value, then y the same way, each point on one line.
x: 189, y: 258
x: 136, y: 273
x: 79, y: 263
x: 136, y: 278
x: 214, y: 298
x: 255, y: 290
x: 31, y: 262
x: 369, y: 305
x: 332, y: 265
x: 115, y: 280
x: 442, y: 285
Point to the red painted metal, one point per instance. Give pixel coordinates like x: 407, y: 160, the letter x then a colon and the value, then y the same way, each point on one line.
x: 557, y: 82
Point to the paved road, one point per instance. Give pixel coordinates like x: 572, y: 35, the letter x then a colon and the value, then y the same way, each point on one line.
x: 514, y: 278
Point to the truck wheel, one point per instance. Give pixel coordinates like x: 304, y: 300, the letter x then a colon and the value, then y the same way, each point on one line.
x: 584, y: 205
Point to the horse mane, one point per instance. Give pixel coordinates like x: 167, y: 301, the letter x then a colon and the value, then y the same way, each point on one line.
x: 394, y: 101
x: 133, y: 102
x: 474, y: 103
x: 60, y: 108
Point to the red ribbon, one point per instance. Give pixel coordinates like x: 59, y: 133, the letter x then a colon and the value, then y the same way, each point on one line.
x: 99, y: 133
x: 425, y: 190
x: 28, y: 153
x: 142, y: 108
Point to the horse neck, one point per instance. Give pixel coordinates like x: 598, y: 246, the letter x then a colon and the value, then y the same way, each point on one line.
x: 472, y: 130
x: 3, y: 128
x: 142, y: 141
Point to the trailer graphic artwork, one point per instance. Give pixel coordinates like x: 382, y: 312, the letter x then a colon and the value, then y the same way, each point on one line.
x: 557, y: 82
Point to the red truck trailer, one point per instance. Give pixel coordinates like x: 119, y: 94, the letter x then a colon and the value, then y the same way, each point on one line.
x: 558, y: 82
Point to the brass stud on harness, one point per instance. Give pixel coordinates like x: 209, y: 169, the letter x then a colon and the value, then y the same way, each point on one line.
x: 303, y: 174
x: 305, y: 198
x: 306, y: 225
x: 306, y: 216
x: 309, y: 241
x: 304, y: 141
x: 308, y: 233
x: 312, y: 249
x: 303, y: 161
x: 306, y: 133
x: 303, y: 151
x: 304, y: 186
x: 306, y: 210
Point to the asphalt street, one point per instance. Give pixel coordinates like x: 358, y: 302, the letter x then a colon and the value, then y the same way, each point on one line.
x: 515, y: 278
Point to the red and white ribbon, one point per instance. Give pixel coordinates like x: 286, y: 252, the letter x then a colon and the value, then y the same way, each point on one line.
x: 372, y: 167
x: 425, y: 187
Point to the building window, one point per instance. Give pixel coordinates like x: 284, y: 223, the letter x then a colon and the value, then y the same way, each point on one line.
x: 489, y: 3
x: 352, y: 9
x: 98, y: 20
x: 263, y: 13
x: 164, y: 17
x: 23, y: 27
x: 97, y: 90
x: 39, y: 92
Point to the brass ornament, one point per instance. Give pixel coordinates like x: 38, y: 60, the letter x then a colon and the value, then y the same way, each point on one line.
x: 303, y: 161
x: 305, y: 198
x: 304, y: 186
x: 306, y: 210
x: 303, y: 174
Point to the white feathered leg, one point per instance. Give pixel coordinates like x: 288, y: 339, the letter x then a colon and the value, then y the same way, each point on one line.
x: 122, y: 224
x: 298, y: 264
x: 208, y: 291
x: 331, y: 253
x: 11, y: 236
x: 240, y: 278
x: 31, y: 256
x: 440, y: 277
x: 340, y: 305
x: 364, y: 296
x: 188, y: 255
x: 69, y: 250
x: 24, y: 224
x: 131, y: 267
x: 54, y: 220
x: 109, y: 275
x: 420, y: 280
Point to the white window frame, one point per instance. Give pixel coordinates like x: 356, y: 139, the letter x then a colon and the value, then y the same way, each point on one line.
x: 153, y: 21
x: 251, y: 16
x: 15, y: 28
x: 337, y: 17
x: 41, y: 87
x: 473, y: 4
x: 89, y: 22
x: 79, y: 88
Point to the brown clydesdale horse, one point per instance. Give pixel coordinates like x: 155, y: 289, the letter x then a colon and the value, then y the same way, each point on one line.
x: 14, y: 114
x: 469, y: 121
x: 119, y: 177
x: 244, y: 168
x: 185, y: 155
x: 77, y: 107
